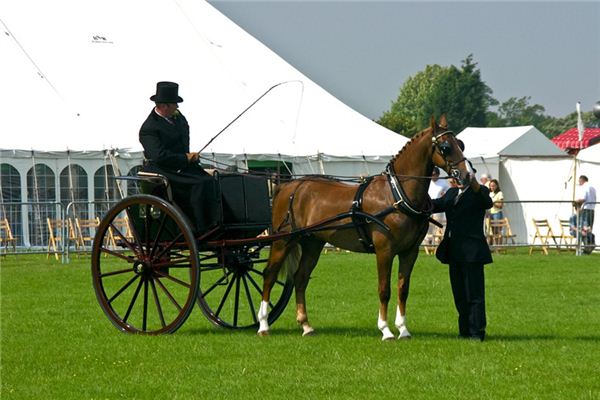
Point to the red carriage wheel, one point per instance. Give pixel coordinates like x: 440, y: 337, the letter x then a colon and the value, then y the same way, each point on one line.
x: 145, y: 266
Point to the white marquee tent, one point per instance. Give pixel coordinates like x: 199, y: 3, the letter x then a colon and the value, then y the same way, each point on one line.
x: 588, y: 164
x: 76, y: 77
x: 531, y: 170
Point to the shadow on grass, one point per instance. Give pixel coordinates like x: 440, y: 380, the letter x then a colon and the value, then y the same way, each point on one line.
x: 363, y: 332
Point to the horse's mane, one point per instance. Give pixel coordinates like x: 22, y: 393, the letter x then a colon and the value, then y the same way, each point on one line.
x: 408, y: 144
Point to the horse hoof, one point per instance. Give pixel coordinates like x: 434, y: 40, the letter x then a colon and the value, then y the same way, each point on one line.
x: 263, y: 333
x: 404, y: 337
x: 309, y: 333
x: 387, y: 338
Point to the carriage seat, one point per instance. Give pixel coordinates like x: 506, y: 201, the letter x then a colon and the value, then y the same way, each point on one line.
x: 241, y: 201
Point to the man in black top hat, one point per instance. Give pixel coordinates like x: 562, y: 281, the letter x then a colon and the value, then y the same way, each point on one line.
x: 165, y: 136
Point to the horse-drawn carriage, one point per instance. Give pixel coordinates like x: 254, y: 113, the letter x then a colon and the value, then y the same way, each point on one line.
x: 156, y: 268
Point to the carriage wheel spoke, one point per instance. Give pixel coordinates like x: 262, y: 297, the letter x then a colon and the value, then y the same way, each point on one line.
x: 170, y: 245
x: 277, y: 281
x: 250, y: 301
x: 169, y: 295
x: 158, y: 234
x: 210, y: 267
x: 258, y: 289
x: 236, y: 307
x: 134, y: 233
x: 118, y: 293
x: 145, y: 314
x: 121, y: 271
x: 128, y: 244
x: 117, y: 254
x: 225, y: 296
x: 133, y: 299
x: 216, y: 284
x: 147, y: 226
x: 178, y: 281
x: 157, y: 303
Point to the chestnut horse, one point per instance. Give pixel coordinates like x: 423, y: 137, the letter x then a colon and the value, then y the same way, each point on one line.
x: 389, y: 216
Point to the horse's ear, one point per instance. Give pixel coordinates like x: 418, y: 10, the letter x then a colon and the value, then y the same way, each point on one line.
x: 443, y: 122
x: 432, y: 123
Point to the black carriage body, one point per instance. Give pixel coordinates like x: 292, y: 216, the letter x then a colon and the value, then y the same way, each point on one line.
x: 239, y: 206
x: 243, y: 205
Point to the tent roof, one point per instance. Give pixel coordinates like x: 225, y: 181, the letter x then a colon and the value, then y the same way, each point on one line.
x: 590, y: 154
x: 78, y: 75
x: 509, y: 141
x: 570, y: 138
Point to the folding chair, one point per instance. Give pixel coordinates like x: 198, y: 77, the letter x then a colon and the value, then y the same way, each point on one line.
x: 56, y: 229
x: 433, y: 239
x: 121, y: 224
x: 566, y: 240
x: 6, y: 236
x: 543, y: 233
x: 86, y: 230
x: 500, y: 233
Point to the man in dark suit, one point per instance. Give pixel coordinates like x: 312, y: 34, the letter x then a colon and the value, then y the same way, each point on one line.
x: 466, y: 251
x: 165, y: 136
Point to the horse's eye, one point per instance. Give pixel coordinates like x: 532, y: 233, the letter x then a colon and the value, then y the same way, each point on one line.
x: 445, y: 148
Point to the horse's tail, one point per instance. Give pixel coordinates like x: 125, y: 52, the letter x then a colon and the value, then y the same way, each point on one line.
x: 291, y: 263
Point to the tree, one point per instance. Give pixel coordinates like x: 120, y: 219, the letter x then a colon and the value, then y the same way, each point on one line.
x: 555, y: 126
x: 457, y: 92
x: 518, y: 112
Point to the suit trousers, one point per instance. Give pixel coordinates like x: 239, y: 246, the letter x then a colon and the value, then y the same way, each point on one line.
x: 468, y: 289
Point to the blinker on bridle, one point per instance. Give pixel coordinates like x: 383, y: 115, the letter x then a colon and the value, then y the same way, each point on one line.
x: 445, y: 148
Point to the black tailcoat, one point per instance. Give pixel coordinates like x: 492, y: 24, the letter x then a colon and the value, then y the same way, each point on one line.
x: 464, y: 240
x: 165, y: 146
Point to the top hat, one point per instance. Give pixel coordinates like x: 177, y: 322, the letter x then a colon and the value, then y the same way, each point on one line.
x: 166, y: 92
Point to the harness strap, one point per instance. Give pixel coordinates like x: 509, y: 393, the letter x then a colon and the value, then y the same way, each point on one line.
x: 358, y: 218
x: 402, y: 202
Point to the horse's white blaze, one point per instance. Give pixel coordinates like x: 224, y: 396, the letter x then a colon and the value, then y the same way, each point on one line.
x: 263, y: 315
x: 385, y: 329
x: 401, y: 324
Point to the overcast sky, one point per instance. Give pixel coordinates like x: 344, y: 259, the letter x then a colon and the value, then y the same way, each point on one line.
x: 363, y: 51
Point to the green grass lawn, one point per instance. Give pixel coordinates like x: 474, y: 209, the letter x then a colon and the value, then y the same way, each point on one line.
x: 543, y: 343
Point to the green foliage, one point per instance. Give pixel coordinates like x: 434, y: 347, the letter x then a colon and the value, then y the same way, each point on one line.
x: 457, y: 92
x: 518, y: 112
x: 463, y: 96
x: 542, y: 323
x: 552, y: 126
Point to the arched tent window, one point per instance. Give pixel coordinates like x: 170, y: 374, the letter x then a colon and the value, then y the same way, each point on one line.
x: 10, y: 192
x: 74, y: 188
x: 41, y: 193
x: 106, y: 192
x: 132, y: 185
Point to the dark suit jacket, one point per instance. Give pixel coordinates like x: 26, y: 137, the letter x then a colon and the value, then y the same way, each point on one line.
x: 165, y: 144
x: 464, y: 240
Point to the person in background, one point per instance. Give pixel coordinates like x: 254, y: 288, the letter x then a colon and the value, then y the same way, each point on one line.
x: 585, y: 199
x: 485, y: 180
x: 165, y: 136
x: 497, y: 200
x: 495, y: 213
x: 438, y: 186
x: 465, y: 249
x: 585, y: 196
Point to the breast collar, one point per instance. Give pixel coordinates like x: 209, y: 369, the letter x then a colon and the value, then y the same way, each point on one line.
x: 401, y: 200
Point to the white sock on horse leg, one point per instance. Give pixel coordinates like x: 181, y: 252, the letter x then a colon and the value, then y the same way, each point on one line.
x: 401, y: 325
x: 263, y: 318
x: 385, y: 329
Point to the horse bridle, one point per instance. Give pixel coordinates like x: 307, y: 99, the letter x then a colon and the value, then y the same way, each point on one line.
x: 445, y: 148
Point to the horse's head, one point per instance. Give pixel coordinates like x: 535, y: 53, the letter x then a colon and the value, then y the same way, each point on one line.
x: 448, y: 152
